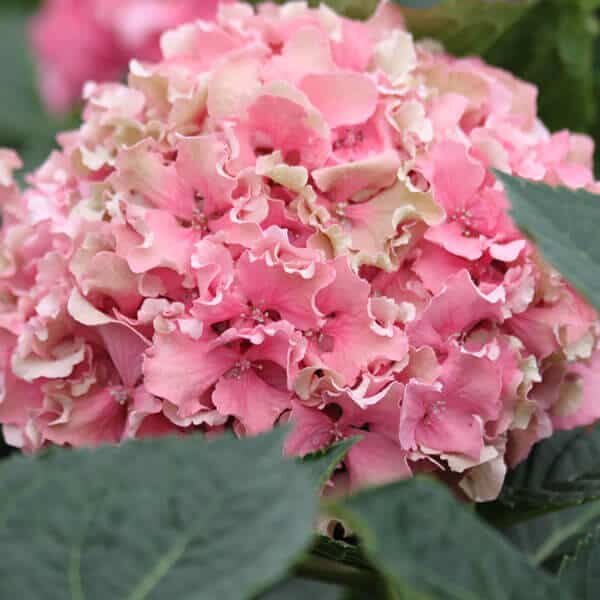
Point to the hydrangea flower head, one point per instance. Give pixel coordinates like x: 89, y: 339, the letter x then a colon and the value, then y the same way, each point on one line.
x: 291, y: 217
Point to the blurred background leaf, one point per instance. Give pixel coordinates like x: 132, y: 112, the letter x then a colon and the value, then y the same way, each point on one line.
x: 464, y: 26
x: 24, y: 124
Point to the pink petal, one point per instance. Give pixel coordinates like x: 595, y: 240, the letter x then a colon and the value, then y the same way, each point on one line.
x: 376, y: 460
x: 169, y: 244
x: 141, y: 170
x: 312, y: 431
x: 354, y: 344
x: 355, y: 49
x: 344, y: 180
x: 126, y: 350
x: 285, y: 124
x: 233, y: 84
x: 359, y: 93
x: 95, y: 419
x: 201, y: 163
x: 256, y: 404
x: 452, y: 237
x: 108, y: 274
x: 588, y: 411
x: 458, y: 307
x: 454, y: 175
x: 180, y: 369
x: 477, y: 395
x: 428, y: 422
x: 306, y: 51
x: 271, y: 288
x: 434, y: 266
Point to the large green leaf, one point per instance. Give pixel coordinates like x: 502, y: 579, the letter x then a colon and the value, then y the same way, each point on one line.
x: 554, y: 464
x: 565, y: 456
x: 348, y: 554
x: 564, y: 224
x: 560, y: 472
x: 464, y: 26
x: 303, y: 589
x: 422, y: 537
x: 516, y: 505
x: 178, y: 518
x: 330, y: 456
x: 581, y: 572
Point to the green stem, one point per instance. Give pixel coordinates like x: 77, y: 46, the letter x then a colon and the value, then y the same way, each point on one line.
x: 330, y: 571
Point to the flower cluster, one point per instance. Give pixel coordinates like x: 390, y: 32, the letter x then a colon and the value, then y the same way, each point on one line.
x: 80, y: 40
x: 293, y: 217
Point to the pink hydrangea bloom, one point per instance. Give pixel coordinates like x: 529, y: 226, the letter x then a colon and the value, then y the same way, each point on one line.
x: 76, y: 41
x: 291, y: 217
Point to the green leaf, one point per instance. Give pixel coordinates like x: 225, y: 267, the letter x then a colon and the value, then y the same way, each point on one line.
x: 177, y: 517
x: 581, y: 572
x: 420, y: 536
x: 24, y: 125
x: 516, y: 505
x: 355, y: 9
x: 464, y: 26
x: 21, y: 113
x: 342, y: 552
x: 418, y: 3
x: 333, y: 560
x: 559, y: 473
x: 302, y: 589
x: 21, y: 4
x: 332, y: 456
x: 562, y: 461
x: 565, y: 456
x: 564, y: 224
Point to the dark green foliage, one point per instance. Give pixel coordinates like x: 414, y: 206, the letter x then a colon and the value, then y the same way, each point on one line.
x: 24, y: 125
x: 581, y: 571
x: 559, y: 472
x: 564, y: 224
x: 173, y: 517
x: 464, y: 26
x: 421, y: 537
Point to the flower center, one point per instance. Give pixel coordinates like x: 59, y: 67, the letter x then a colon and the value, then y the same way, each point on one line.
x: 349, y: 138
x: 340, y: 209
x: 464, y: 217
x: 120, y: 395
x: 199, y: 221
x: 435, y: 411
x: 241, y: 367
x: 260, y: 316
x: 324, y: 341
